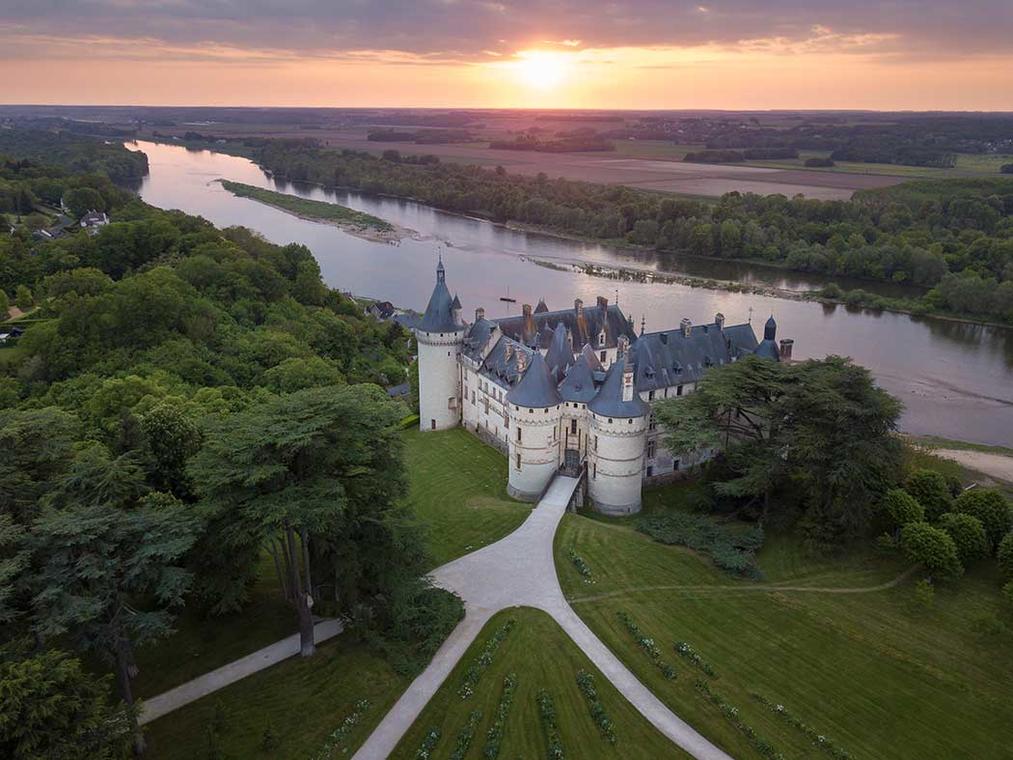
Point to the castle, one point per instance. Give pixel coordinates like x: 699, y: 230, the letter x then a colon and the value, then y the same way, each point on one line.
x: 565, y: 390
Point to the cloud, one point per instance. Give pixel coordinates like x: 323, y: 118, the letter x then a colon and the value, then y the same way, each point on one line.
x: 454, y: 30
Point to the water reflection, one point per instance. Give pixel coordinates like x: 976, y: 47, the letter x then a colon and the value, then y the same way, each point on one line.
x: 954, y: 378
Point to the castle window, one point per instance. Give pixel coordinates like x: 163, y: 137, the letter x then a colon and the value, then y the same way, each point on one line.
x: 652, y: 449
x: 675, y: 466
x: 678, y: 390
x: 518, y: 461
x: 650, y: 471
x: 518, y: 435
x: 594, y: 471
x: 603, y: 356
x: 596, y: 443
x: 573, y: 426
x: 650, y: 395
x: 653, y: 424
x: 610, y: 420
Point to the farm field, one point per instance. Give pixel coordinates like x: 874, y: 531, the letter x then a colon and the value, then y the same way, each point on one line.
x: 540, y: 656
x: 880, y: 676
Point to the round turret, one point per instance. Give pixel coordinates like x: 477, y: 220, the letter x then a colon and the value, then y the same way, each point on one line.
x: 535, y: 407
x: 440, y: 337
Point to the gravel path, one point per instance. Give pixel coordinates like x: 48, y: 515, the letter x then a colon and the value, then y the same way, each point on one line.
x: 519, y: 570
x: 995, y: 465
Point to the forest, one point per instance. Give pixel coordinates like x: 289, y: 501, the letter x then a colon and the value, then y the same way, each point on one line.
x: 186, y: 401
x: 953, y: 238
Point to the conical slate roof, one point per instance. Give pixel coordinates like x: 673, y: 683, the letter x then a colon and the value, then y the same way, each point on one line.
x: 541, y: 307
x: 768, y: 346
x: 578, y: 385
x: 559, y: 357
x: 609, y: 401
x: 439, y: 316
x: 537, y: 388
x: 592, y: 358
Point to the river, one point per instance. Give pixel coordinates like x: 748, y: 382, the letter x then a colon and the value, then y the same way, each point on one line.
x: 955, y: 379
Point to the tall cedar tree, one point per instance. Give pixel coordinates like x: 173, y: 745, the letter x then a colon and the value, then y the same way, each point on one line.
x: 821, y: 427
x: 315, y: 478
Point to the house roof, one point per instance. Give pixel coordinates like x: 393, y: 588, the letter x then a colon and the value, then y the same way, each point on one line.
x: 670, y: 357
x: 584, y: 325
x: 439, y: 316
x: 578, y: 385
x: 609, y: 400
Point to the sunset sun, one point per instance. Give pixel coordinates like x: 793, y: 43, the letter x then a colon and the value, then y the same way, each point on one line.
x: 541, y: 69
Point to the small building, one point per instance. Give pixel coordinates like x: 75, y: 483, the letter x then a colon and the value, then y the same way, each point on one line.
x: 382, y: 310
x: 94, y: 220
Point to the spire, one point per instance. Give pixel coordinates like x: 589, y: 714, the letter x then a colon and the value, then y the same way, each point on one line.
x: 441, y: 273
x: 770, y: 329
x: 643, y: 323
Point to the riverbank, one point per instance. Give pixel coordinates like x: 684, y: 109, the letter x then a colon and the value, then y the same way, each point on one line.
x: 357, y: 223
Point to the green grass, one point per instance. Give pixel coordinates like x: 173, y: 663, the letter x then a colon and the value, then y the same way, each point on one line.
x: 458, y: 490
x: 968, y: 165
x: 542, y: 657
x: 881, y: 676
x: 936, y: 442
x: 303, y: 207
x: 302, y: 700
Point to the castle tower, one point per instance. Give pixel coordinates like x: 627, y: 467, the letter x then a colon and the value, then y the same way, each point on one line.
x: 618, y: 433
x: 534, y: 408
x: 440, y: 335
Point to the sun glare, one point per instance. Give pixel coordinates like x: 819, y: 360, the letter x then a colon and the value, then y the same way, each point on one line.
x: 541, y: 69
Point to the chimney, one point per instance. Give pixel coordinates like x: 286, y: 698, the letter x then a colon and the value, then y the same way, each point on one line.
x: 719, y: 320
x: 528, y: 329
x: 663, y: 337
x: 522, y: 361
x: 509, y: 351
x: 623, y: 345
x: 479, y: 314
x: 578, y: 307
x: 686, y: 326
x: 628, y: 380
x: 603, y: 303
x: 786, y: 346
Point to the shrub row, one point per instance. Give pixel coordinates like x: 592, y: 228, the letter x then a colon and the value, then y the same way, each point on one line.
x: 818, y: 739
x: 647, y: 644
x: 484, y: 660
x: 761, y: 745
x: 547, y: 713
x: 429, y: 742
x: 688, y: 653
x: 582, y: 567
x: 495, y: 736
x: 732, y: 550
x: 465, y: 735
x: 585, y: 682
x: 340, y: 734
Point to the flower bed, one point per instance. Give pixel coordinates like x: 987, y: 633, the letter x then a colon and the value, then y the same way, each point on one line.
x: 582, y: 567
x: 494, y: 738
x: 429, y: 742
x: 474, y: 672
x: 761, y: 745
x: 547, y: 713
x: 585, y: 682
x: 647, y: 644
x: 688, y: 653
x: 819, y: 740
x: 340, y: 735
x: 465, y: 735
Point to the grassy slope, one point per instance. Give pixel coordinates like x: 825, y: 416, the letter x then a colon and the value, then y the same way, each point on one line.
x: 330, y: 212
x: 542, y: 657
x: 459, y: 491
x: 881, y: 677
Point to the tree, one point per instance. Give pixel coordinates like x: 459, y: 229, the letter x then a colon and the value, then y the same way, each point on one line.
x: 1005, y: 555
x: 80, y: 200
x: 51, y: 707
x: 314, y: 477
x: 106, y: 580
x: 902, y: 508
x: 819, y: 428
x: 171, y: 438
x: 930, y: 490
x: 932, y: 548
x: 23, y: 298
x: 5, y: 305
x: 989, y: 506
x: 968, y: 534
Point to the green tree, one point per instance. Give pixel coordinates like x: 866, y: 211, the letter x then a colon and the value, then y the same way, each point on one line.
x: 932, y: 548
x: 23, y: 298
x: 314, y: 477
x: 819, y: 428
x: 931, y: 491
x: 989, y: 506
x: 968, y: 534
x: 80, y: 200
x: 107, y: 579
x: 171, y: 438
x: 1005, y: 555
x: 901, y: 508
x: 5, y: 305
x: 51, y: 707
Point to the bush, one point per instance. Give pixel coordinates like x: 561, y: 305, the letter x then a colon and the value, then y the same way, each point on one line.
x: 902, y: 508
x: 931, y: 547
x: 925, y: 593
x: 931, y: 491
x: 1005, y: 555
x: 968, y: 534
x: 989, y: 506
x: 731, y: 550
x: 832, y: 290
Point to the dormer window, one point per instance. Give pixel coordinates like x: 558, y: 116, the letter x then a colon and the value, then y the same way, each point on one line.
x: 601, y: 338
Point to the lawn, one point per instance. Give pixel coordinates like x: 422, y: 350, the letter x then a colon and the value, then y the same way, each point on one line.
x: 302, y: 701
x: 541, y: 656
x: 458, y: 490
x: 881, y: 676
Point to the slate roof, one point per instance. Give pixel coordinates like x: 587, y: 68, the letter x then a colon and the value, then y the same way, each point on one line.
x: 768, y: 346
x: 609, y: 400
x: 537, y: 389
x: 559, y: 356
x: 477, y: 336
x: 439, y: 316
x: 579, y: 385
x: 502, y: 365
x: 669, y: 357
x: 585, y: 327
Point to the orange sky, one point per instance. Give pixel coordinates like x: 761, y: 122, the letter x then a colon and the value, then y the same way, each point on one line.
x: 211, y: 61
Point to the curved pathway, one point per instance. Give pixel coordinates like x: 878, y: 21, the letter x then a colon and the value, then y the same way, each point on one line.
x: 519, y: 570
